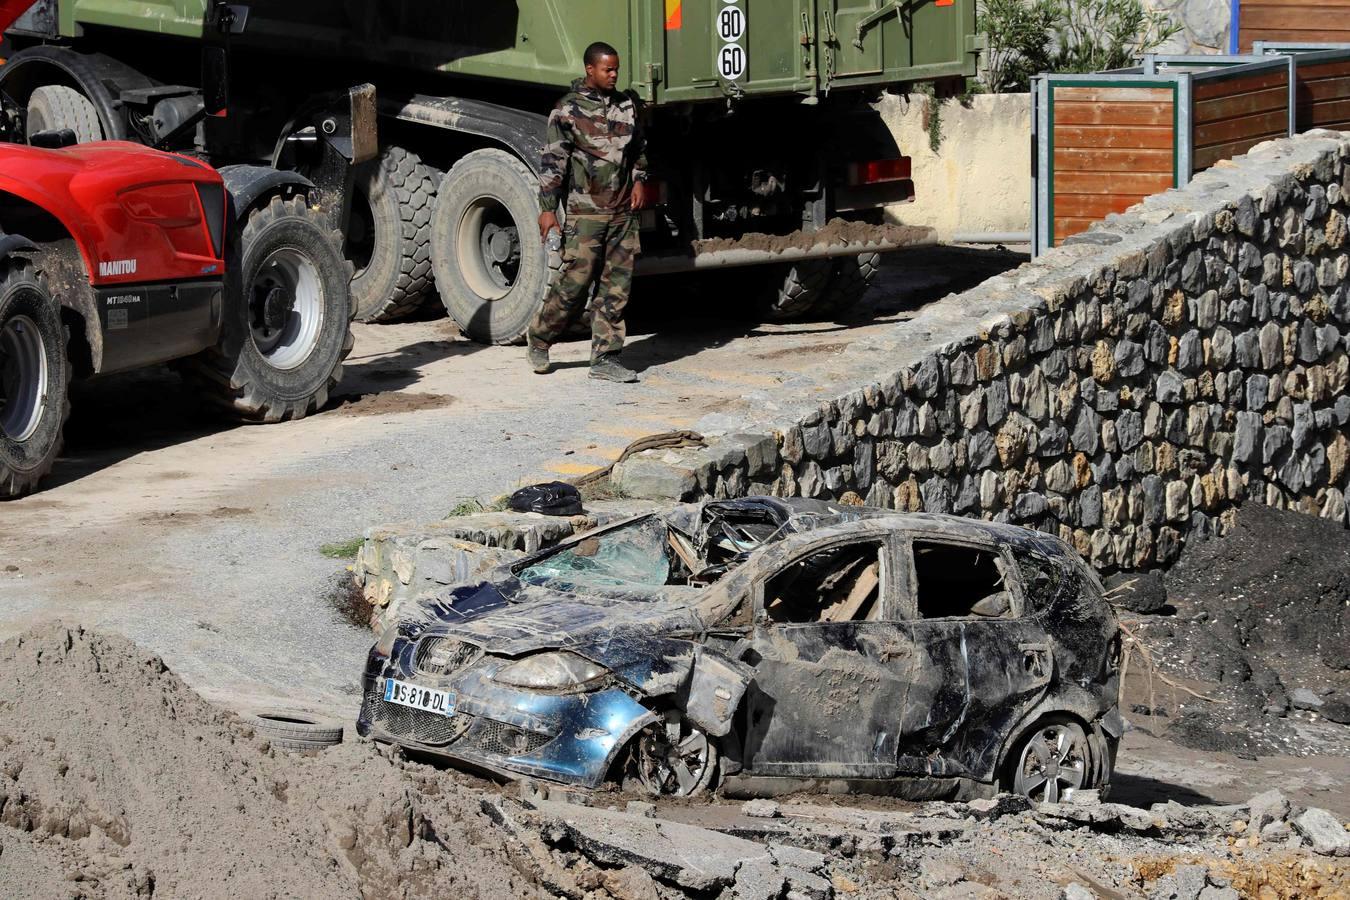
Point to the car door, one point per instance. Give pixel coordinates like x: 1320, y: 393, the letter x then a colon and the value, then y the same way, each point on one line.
x: 830, y: 675
x: 980, y: 657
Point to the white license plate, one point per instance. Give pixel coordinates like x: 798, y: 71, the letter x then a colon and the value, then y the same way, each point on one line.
x: 418, y: 697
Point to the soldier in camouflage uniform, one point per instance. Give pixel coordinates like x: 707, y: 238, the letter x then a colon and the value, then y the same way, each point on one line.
x: 594, y: 157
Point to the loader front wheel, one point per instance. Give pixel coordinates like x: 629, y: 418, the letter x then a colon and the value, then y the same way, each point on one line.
x: 34, y: 379
x: 288, y: 317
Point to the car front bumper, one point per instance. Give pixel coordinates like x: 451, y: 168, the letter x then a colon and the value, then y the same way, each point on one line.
x: 567, y: 738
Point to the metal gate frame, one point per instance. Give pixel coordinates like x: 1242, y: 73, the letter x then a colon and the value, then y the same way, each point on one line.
x: 1158, y: 71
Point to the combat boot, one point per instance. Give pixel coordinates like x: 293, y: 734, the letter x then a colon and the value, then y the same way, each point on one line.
x: 608, y: 368
x: 538, y: 357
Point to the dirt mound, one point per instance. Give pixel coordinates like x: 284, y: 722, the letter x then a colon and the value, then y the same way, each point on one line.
x: 117, y: 780
x: 1261, y: 621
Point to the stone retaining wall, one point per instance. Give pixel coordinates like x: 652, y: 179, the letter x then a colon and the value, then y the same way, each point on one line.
x: 1125, y: 391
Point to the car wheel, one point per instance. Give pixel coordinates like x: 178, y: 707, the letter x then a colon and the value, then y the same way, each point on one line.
x: 389, y: 236
x: 34, y: 377
x: 1050, y: 761
x: 287, y: 319
x: 672, y: 758
x: 489, y: 260
x: 55, y: 106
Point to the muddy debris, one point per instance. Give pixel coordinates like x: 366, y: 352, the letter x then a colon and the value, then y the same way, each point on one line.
x: 1258, y: 622
x: 835, y: 231
x: 118, y: 781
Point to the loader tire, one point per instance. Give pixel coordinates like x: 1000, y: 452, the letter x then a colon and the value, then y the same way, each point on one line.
x: 490, y: 264
x: 288, y: 317
x: 850, y: 278
x: 389, y: 236
x: 34, y: 379
x: 55, y: 106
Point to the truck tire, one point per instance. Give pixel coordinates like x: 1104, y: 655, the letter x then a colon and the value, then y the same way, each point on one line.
x: 849, y: 281
x: 34, y: 379
x: 55, y: 106
x: 485, y: 247
x: 389, y: 237
x: 793, y: 290
x: 287, y: 323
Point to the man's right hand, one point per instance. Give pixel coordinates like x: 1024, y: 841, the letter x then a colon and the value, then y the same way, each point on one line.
x: 547, y: 222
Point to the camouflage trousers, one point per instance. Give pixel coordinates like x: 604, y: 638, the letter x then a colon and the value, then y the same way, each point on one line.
x: 596, y: 246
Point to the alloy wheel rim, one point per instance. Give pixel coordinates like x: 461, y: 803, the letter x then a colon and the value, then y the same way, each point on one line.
x: 23, y: 378
x: 1053, y: 764
x: 288, y: 338
x: 673, y: 758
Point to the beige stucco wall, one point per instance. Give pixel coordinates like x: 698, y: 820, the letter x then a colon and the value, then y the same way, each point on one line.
x: 980, y: 178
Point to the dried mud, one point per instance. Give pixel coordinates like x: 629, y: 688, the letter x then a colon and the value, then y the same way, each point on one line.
x: 836, y: 231
x: 386, y: 402
x: 117, y: 780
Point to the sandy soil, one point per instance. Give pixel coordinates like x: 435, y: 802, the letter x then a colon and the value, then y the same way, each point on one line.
x: 119, y: 781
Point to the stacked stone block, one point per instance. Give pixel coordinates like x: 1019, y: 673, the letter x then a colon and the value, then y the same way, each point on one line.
x: 1126, y: 391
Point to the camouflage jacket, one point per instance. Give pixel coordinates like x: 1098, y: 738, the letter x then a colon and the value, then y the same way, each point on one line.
x: 594, y: 152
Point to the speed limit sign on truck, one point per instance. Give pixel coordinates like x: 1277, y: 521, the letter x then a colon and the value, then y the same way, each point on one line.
x: 730, y: 27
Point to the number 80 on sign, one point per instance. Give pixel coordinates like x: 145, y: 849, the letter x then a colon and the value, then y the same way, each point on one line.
x: 731, y: 28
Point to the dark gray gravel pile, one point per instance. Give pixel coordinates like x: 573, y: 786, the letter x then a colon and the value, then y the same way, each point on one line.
x: 1260, y: 620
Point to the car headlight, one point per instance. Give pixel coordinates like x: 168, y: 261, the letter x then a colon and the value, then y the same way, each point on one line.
x: 550, y: 672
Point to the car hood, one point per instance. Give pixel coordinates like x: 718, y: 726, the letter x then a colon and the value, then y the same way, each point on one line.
x: 636, y: 639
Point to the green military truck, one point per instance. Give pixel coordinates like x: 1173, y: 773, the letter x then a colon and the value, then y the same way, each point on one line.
x: 766, y: 149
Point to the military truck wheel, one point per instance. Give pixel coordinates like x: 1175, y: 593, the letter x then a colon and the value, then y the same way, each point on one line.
x: 55, y: 106
x: 34, y: 379
x: 485, y: 247
x: 789, y: 292
x: 288, y: 317
x: 852, y: 276
x: 389, y: 236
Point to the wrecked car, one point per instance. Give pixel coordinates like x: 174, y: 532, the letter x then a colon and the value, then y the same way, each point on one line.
x: 758, y: 642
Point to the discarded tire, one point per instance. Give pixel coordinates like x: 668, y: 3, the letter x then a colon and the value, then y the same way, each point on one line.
x: 292, y: 730
x: 55, y: 106
x: 34, y: 379
x: 488, y: 257
x: 389, y: 236
x: 286, y: 335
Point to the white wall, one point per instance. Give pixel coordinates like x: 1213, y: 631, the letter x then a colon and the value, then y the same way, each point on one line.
x: 980, y: 178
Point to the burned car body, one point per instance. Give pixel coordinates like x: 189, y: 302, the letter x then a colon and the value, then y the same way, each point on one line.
x: 763, y: 641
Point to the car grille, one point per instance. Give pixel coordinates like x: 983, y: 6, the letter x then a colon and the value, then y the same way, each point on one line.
x: 439, y: 655
x: 507, y: 740
x: 416, y: 724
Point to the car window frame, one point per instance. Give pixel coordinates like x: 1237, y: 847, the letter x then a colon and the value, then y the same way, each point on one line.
x: 787, y: 556
x: 908, y: 602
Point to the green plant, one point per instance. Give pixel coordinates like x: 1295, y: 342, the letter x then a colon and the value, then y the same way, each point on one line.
x: 1024, y: 37
x: 1018, y: 37
x: 465, y: 508
x: 1096, y: 35
x: 343, y: 549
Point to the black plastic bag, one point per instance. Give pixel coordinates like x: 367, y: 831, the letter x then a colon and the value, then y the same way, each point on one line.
x: 553, y: 498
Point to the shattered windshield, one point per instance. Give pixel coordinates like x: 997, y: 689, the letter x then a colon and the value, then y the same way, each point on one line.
x: 636, y: 555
